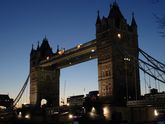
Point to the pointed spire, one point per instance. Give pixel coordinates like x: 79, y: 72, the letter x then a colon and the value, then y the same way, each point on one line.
x: 32, y: 50
x: 32, y: 47
x: 115, y: 3
x: 38, y: 45
x: 45, y: 45
x: 115, y: 11
x: 98, y: 21
x: 57, y: 49
x: 133, y: 23
x: 45, y: 39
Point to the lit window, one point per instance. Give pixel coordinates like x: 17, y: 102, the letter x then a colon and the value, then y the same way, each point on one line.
x: 127, y: 59
x: 119, y: 35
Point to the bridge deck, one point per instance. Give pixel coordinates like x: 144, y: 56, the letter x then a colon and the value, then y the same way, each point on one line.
x: 81, y: 53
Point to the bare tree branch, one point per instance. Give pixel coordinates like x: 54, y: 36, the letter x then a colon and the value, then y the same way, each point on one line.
x: 155, y: 1
x: 161, y: 24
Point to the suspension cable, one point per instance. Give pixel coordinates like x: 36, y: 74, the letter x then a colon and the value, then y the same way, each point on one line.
x: 16, y: 100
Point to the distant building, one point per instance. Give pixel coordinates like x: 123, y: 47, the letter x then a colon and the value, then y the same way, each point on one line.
x: 154, y: 98
x: 5, y: 100
x: 150, y: 107
x: 80, y: 99
x: 75, y: 100
x: 93, y: 94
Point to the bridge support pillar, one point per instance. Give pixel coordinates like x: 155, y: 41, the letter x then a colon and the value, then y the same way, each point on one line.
x: 44, y: 84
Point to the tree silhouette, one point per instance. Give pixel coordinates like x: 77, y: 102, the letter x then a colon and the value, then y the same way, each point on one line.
x: 161, y: 24
x: 160, y: 20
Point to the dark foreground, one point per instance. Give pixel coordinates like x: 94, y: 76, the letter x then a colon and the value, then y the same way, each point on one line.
x: 82, y: 120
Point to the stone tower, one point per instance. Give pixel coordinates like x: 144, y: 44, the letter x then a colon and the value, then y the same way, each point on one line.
x: 44, y: 82
x: 118, y: 74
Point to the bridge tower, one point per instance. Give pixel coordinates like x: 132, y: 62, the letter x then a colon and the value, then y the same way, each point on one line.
x: 118, y: 74
x: 44, y: 81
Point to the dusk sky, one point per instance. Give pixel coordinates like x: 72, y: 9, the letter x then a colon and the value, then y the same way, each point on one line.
x: 67, y: 23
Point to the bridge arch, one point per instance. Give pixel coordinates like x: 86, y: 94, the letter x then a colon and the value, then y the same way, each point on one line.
x: 43, y: 102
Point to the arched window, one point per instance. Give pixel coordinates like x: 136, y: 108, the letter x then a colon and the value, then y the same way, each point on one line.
x: 43, y: 102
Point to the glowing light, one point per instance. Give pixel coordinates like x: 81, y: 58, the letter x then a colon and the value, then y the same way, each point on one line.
x: 2, y: 107
x: 92, y: 50
x: 68, y: 104
x: 20, y: 115
x: 78, y: 46
x: 119, y: 35
x: 61, y: 52
x: 106, y: 112
x: 93, y: 113
x: 156, y: 112
x: 70, y: 116
x: 47, y: 58
x: 93, y: 110
x: 127, y: 59
x: 27, y: 116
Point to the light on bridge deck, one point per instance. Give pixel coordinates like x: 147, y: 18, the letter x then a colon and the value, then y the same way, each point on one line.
x: 78, y: 46
x: 61, y: 52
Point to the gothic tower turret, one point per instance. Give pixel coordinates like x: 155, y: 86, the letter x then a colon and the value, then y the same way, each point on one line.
x: 44, y: 81
x: 117, y: 72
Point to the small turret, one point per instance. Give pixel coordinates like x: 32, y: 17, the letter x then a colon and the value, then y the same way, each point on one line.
x: 38, y: 45
x: 115, y: 11
x: 32, y: 50
x: 98, y: 21
x: 45, y: 49
x: 57, y: 49
x: 133, y: 24
x: 42, y: 52
x: 115, y: 19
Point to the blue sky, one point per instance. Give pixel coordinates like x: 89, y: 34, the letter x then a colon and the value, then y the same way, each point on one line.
x: 66, y: 23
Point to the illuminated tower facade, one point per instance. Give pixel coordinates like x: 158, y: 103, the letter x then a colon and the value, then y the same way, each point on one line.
x: 44, y: 81
x: 117, y: 49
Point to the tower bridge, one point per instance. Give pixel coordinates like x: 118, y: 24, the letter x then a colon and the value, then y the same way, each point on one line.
x: 116, y: 50
x: 118, y: 79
